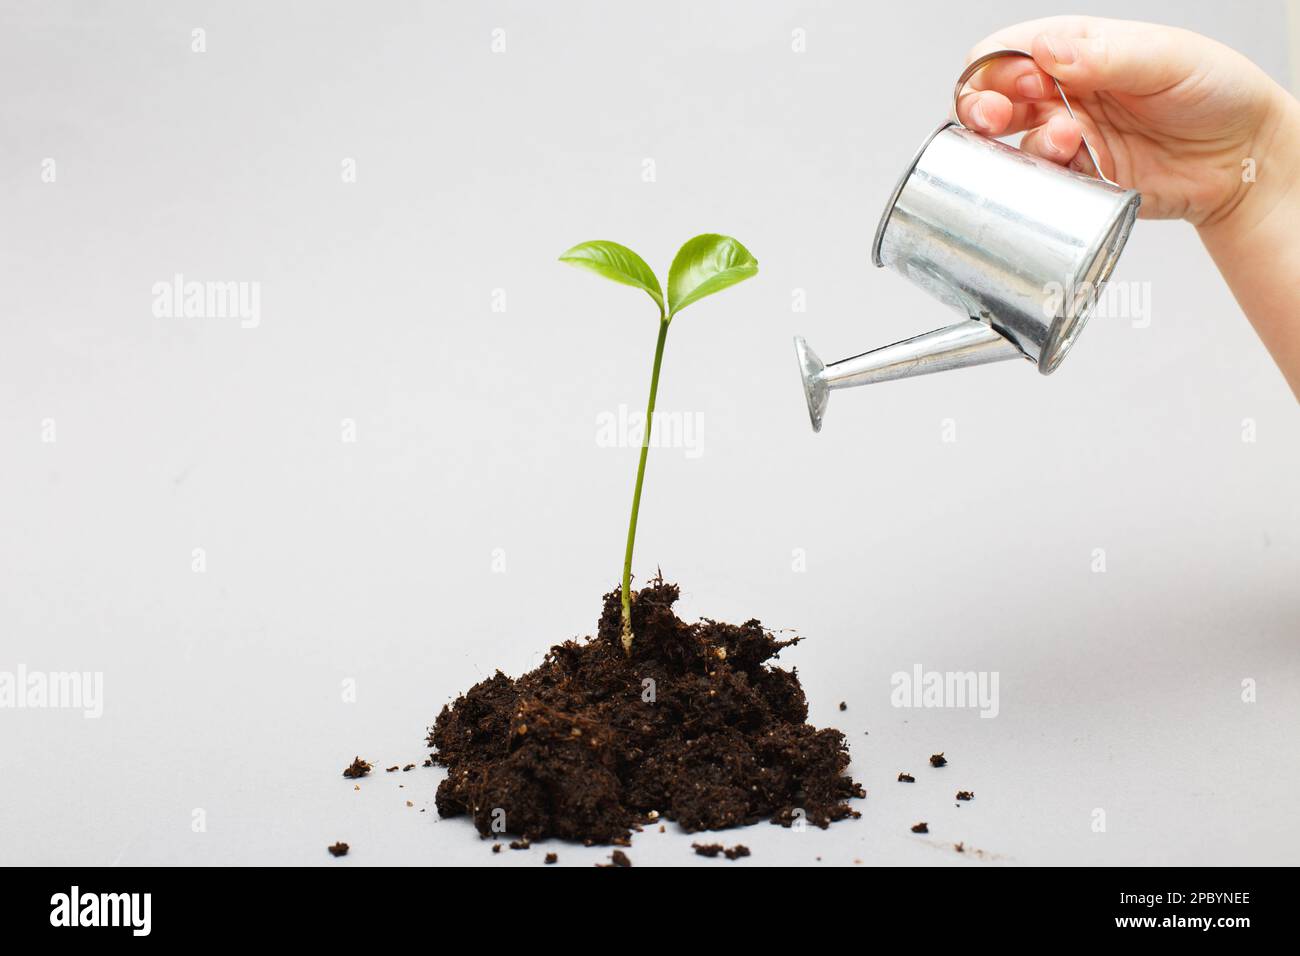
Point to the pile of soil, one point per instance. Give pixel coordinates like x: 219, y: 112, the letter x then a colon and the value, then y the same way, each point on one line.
x: 695, y: 727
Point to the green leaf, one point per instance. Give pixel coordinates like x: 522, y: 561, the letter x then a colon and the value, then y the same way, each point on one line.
x: 616, y: 262
x: 705, y: 265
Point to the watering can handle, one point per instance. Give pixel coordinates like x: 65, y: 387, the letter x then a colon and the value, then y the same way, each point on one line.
x: 977, y: 64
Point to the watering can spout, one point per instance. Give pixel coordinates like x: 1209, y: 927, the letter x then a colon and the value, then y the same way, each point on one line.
x: 967, y: 343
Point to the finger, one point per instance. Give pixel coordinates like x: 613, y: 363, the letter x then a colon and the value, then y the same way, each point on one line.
x: 1018, y: 79
x: 1140, y: 62
x: 1028, y: 84
x: 1023, y: 115
x: 1057, y: 140
x: 986, y: 112
x: 1001, y: 74
x: 1035, y: 85
x: 1069, y: 134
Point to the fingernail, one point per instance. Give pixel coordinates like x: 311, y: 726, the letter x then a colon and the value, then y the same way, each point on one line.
x: 977, y: 113
x: 1031, y: 86
x: 1062, y: 50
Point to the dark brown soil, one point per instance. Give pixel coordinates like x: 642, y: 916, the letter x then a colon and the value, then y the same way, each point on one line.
x: 938, y: 760
x: 965, y: 795
x: 906, y: 778
x: 339, y: 849
x: 552, y: 858
x: 695, y: 725
x: 616, y: 859
x: 714, y: 849
x: 358, y: 768
x: 920, y: 828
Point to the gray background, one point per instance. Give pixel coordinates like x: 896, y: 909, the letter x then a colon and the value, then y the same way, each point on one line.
x: 372, y: 561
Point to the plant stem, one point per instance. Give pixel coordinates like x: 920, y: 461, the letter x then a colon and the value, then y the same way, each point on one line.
x: 640, y: 478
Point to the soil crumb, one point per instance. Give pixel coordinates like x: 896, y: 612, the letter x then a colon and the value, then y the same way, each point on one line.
x: 616, y: 859
x: 920, y: 828
x: 906, y: 778
x: 965, y: 795
x: 696, y: 724
x: 712, y: 850
x: 358, y: 768
x: 843, y: 706
x: 552, y: 858
x: 938, y: 760
x: 339, y: 849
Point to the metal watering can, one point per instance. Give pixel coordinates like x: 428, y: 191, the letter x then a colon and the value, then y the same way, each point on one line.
x: 1016, y: 244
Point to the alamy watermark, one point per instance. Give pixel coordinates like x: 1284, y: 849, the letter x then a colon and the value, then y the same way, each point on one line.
x: 53, y: 690
x: 958, y: 689
x: 127, y: 910
x: 1114, y: 300
x: 181, y: 299
x: 625, y: 428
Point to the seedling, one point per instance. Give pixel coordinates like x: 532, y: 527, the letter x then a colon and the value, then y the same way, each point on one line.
x: 703, y: 266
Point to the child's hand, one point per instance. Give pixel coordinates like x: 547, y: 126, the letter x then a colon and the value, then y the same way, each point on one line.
x: 1169, y: 112
x: 1199, y: 130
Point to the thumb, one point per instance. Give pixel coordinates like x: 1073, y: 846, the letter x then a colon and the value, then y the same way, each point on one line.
x: 1140, y: 63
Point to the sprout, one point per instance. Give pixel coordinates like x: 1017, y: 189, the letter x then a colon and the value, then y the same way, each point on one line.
x: 703, y: 266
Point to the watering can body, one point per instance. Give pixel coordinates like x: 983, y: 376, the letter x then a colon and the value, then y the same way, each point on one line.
x: 1018, y: 246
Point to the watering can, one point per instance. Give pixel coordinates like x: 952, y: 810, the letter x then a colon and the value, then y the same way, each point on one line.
x: 1019, y: 246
